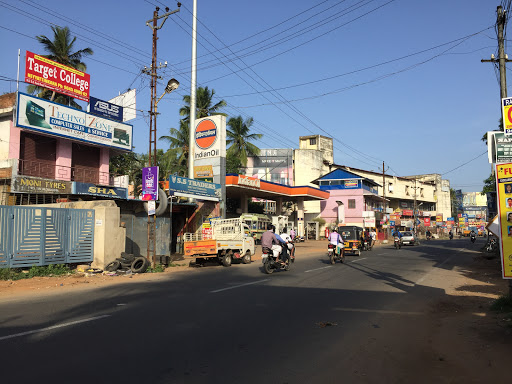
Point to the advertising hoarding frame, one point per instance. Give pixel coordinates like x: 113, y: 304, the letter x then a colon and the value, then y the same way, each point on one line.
x: 503, y: 177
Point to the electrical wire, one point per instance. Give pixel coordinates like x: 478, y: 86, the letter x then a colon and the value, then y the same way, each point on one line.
x: 463, y: 164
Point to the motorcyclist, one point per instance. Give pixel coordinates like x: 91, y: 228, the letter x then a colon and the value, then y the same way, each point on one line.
x: 428, y: 234
x: 396, y: 233
x: 336, y: 239
x: 270, y: 241
x: 288, y: 240
x: 284, y: 249
x: 450, y: 234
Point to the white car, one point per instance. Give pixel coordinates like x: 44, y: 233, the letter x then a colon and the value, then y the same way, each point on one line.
x: 409, y: 238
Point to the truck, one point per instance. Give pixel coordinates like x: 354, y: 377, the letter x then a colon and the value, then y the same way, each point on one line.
x: 231, y: 240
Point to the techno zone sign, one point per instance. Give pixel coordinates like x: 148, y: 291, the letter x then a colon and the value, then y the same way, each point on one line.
x: 206, y: 139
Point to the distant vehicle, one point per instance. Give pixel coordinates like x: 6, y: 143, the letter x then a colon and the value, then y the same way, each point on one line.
x: 409, y: 238
x: 351, y: 235
x: 257, y: 223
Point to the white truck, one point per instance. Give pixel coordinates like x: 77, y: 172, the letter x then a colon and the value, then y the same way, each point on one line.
x: 231, y: 240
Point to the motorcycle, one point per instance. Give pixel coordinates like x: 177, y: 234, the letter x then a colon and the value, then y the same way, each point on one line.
x: 333, y: 256
x: 451, y: 236
x: 472, y: 237
x: 367, y: 245
x: 270, y: 263
x: 398, y: 242
x: 429, y: 236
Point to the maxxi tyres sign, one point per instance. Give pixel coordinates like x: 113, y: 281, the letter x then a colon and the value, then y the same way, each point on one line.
x: 55, y: 76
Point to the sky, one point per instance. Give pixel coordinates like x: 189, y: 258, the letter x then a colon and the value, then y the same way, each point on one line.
x: 390, y: 80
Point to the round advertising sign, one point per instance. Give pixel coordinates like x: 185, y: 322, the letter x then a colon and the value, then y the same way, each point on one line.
x: 205, y: 134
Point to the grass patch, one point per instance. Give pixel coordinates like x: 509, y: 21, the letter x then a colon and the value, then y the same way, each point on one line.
x: 502, y: 304
x: 47, y: 270
x: 156, y: 269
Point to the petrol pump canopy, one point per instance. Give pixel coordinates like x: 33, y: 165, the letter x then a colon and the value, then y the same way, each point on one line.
x: 240, y: 185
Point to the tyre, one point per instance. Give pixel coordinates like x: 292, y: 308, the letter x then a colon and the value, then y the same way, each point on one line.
x: 226, y: 260
x: 331, y: 257
x: 124, y: 262
x: 267, y: 267
x: 127, y: 256
x: 140, y: 265
x: 342, y: 258
x: 247, y: 258
x: 113, y: 266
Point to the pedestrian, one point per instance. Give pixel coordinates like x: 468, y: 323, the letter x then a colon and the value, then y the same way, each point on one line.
x: 373, y: 235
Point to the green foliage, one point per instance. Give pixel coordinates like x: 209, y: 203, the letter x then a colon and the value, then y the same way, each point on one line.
x: 239, y: 139
x: 233, y: 163
x: 130, y: 164
x: 48, y: 270
x: 489, y: 184
x: 177, y: 154
x: 156, y: 269
x: 502, y: 304
x: 256, y: 207
x: 319, y: 220
x: 204, y: 104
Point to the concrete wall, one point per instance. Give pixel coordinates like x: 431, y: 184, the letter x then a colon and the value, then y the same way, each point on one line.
x: 109, y: 237
x: 353, y: 216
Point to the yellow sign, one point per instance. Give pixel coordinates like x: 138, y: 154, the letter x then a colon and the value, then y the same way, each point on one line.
x: 203, y: 172
x: 504, y: 186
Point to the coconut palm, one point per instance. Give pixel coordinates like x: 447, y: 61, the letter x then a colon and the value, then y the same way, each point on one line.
x: 178, y: 140
x: 204, y: 104
x: 60, y: 49
x: 238, y: 137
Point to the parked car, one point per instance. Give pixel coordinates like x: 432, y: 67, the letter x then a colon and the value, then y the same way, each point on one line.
x: 409, y: 238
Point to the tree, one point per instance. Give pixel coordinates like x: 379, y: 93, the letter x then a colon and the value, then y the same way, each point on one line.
x: 60, y: 49
x: 204, y: 104
x: 130, y: 164
x: 489, y: 184
x: 177, y: 155
x: 239, y: 138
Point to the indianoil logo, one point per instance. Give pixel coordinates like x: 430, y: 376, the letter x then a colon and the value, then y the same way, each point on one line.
x: 206, y: 134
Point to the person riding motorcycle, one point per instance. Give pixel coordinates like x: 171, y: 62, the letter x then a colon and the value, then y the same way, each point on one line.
x: 288, y: 240
x: 336, y: 239
x: 270, y: 241
x: 450, y: 234
x: 284, y: 248
x: 428, y: 234
x: 396, y: 233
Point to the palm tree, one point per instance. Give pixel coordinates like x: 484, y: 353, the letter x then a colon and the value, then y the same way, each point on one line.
x: 178, y: 147
x: 239, y: 137
x: 61, y: 51
x: 204, y: 107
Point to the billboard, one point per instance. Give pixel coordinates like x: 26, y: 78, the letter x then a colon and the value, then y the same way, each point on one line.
x: 39, y: 185
x: 99, y: 190
x: 185, y: 187
x: 105, y: 109
x: 503, y: 179
x: 128, y: 101
x: 56, y: 119
x: 506, y: 105
x: 55, y: 76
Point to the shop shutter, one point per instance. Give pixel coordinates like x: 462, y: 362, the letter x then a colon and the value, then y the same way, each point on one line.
x: 86, y: 163
x: 38, y: 155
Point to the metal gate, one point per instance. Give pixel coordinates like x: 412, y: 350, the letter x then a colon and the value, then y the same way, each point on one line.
x: 42, y: 236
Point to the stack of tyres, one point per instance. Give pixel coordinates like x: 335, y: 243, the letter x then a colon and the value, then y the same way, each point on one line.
x: 128, y: 262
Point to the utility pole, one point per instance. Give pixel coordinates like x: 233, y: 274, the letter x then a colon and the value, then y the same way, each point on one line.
x: 152, y: 23
x: 383, y: 192
x: 501, y: 21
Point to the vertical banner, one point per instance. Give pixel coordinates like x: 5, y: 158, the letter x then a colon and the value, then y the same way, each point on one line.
x: 504, y: 187
x: 150, y: 183
x: 506, y: 109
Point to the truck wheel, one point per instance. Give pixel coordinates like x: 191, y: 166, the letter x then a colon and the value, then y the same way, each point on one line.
x: 247, y: 258
x: 226, y: 260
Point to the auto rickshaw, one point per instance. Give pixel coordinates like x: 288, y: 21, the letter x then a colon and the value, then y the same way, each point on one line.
x: 351, y: 235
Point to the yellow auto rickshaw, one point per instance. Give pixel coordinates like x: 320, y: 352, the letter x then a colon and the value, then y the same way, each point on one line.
x: 351, y: 235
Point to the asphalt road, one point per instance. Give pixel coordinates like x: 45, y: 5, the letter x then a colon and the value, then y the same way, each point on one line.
x: 222, y: 325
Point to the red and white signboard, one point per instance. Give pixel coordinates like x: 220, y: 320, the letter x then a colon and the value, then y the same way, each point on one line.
x: 55, y: 76
x: 426, y: 221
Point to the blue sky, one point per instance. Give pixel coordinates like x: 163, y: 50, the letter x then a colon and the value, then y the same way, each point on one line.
x: 396, y: 81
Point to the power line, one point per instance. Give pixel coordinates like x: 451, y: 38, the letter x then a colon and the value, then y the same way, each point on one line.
x: 463, y: 164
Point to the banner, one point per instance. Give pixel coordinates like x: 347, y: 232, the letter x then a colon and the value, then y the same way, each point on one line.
x: 56, y: 119
x: 150, y: 183
x: 57, y: 77
x: 99, y: 190
x: 426, y: 221
x: 183, y: 186
x: 105, y: 109
x: 503, y: 180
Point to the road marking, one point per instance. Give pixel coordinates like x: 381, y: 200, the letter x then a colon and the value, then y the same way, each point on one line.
x: 52, y: 327
x: 316, y: 269
x: 355, y: 261
x: 238, y: 286
x: 383, y: 311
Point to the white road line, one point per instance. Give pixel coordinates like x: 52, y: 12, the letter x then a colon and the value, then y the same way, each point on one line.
x: 53, y: 327
x: 383, y: 311
x: 355, y: 261
x: 316, y: 269
x: 238, y: 286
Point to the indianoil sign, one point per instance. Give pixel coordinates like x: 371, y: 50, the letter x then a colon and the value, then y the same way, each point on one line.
x: 55, y: 76
x: 504, y: 179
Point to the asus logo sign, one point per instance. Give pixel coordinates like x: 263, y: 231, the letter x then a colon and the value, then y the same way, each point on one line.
x: 106, y: 106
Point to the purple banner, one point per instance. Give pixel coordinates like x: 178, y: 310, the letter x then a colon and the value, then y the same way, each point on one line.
x: 150, y: 183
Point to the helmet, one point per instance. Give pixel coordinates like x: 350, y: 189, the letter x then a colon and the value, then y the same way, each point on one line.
x: 335, y: 230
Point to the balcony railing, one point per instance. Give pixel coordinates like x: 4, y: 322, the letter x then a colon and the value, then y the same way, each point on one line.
x: 50, y: 170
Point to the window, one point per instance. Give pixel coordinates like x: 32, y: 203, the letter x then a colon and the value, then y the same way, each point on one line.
x: 312, y: 141
x: 351, y: 203
x: 390, y: 187
x: 421, y: 192
x: 407, y: 190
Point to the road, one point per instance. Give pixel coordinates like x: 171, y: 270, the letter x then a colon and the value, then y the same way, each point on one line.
x: 317, y: 323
